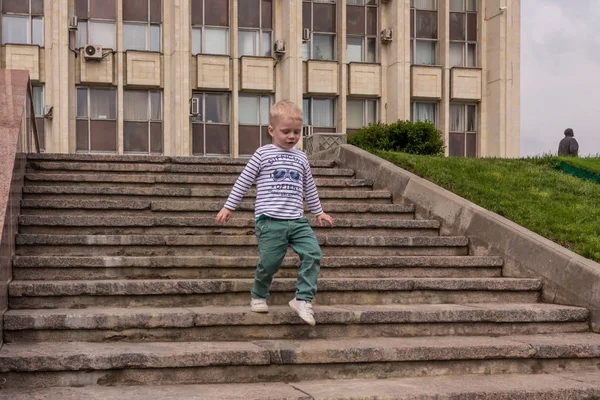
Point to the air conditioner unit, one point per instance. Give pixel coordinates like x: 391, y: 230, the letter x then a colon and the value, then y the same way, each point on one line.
x: 73, y: 23
x: 387, y: 35
x: 48, y: 112
x: 93, y: 52
x: 279, y: 47
x: 305, y: 35
x: 195, y: 107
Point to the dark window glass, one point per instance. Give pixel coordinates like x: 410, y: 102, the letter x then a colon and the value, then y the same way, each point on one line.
x: 103, y: 9
x: 371, y: 21
x: 457, y: 145
x: 471, y: 145
x: 135, y: 137
x: 135, y: 10
x: 324, y: 17
x: 472, y: 27
x: 324, y: 130
x: 412, y: 23
x: 37, y: 7
x: 81, y: 133
x: 156, y: 11
x: 198, y: 139
x: 266, y: 138
x: 306, y: 16
x: 249, y: 139
x: 217, y: 139
x: 217, y: 12
x: 197, y: 18
x: 15, y: 6
x: 103, y: 135
x: 267, y: 14
x: 351, y: 132
x: 81, y: 9
x: 249, y: 13
x: 39, y: 123
x: 457, y: 26
x: 426, y: 24
x: 156, y: 137
x: 355, y: 20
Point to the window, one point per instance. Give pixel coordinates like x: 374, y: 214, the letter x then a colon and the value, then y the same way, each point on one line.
x: 361, y: 29
x: 210, y: 26
x: 463, y: 33
x: 253, y: 123
x: 97, y: 23
x: 142, y: 122
x: 142, y: 25
x: 210, y: 129
x: 360, y: 113
x: 423, y: 32
x: 256, y: 24
x: 426, y: 112
x: 23, y: 22
x: 38, y: 106
x: 319, y: 17
x: 96, y: 125
x: 463, y: 130
x: 318, y: 113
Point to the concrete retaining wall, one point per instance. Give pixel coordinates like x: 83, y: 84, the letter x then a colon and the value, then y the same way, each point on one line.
x: 568, y: 278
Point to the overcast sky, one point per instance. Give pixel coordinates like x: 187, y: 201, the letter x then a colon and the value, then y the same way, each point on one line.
x: 560, y: 74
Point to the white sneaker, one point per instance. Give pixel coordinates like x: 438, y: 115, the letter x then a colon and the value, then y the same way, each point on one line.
x: 304, y: 310
x: 259, y: 305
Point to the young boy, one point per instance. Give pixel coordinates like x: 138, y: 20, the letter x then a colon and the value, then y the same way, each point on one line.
x: 283, y: 179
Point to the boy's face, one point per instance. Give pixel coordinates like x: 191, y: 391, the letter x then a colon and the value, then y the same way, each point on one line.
x: 285, y: 132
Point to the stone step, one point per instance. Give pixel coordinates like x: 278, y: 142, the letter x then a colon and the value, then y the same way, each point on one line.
x: 31, y: 365
x: 239, y: 323
x: 111, y: 224
x: 581, y: 386
x: 165, y: 168
x: 205, y: 182
x: 230, y: 292
x: 197, y: 208
x: 108, y: 158
x: 177, y: 267
x: 242, y: 245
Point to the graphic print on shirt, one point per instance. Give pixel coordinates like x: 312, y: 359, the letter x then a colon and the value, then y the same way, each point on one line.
x: 286, y: 176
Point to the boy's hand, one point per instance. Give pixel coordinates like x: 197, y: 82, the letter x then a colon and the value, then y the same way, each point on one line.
x: 326, y: 218
x: 223, y: 216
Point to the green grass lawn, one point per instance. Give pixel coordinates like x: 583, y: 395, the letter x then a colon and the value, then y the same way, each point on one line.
x: 591, y: 164
x: 529, y: 192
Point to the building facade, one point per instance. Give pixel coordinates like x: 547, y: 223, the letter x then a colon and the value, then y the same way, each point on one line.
x: 197, y: 77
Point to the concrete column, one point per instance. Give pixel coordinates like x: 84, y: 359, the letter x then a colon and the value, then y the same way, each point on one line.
x: 60, y: 77
x: 482, y: 133
x: 343, y: 66
x: 396, y: 60
x: 120, y: 77
x: 235, y: 87
x: 444, y: 60
x: 288, y: 71
x: 513, y: 81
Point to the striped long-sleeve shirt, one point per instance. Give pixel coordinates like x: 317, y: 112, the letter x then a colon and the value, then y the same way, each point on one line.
x: 283, y: 180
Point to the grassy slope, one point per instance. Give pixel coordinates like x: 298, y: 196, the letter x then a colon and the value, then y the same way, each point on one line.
x: 591, y: 164
x: 557, y: 206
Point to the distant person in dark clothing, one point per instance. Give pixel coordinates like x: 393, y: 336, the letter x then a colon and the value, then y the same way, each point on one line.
x: 568, y: 146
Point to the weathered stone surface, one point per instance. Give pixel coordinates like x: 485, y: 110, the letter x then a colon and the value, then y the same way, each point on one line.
x: 224, y: 261
x: 100, y: 356
x: 393, y: 349
x: 200, y: 286
x: 87, y: 204
x: 385, y: 241
x: 585, y: 345
x: 477, y: 284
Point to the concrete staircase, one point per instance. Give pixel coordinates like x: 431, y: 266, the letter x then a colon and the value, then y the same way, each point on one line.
x: 123, y: 287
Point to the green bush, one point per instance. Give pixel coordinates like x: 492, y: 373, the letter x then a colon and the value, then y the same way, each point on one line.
x: 405, y: 136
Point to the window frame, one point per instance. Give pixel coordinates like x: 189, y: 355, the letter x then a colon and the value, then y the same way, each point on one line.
x: 436, y: 111
x: 260, y: 30
x: 310, y: 42
x: 308, y: 127
x: 88, y: 21
x: 466, y: 132
x: 89, y: 119
x: 261, y: 125
x: 149, y: 121
x: 413, y: 33
x: 365, y: 107
x: 203, y: 29
x: 30, y: 17
x: 202, y: 120
x: 466, y: 43
x: 148, y: 24
x: 365, y: 38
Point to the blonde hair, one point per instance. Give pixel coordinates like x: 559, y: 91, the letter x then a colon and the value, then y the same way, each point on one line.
x: 284, y: 109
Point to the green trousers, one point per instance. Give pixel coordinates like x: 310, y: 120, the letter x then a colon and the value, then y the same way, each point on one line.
x: 274, y: 236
